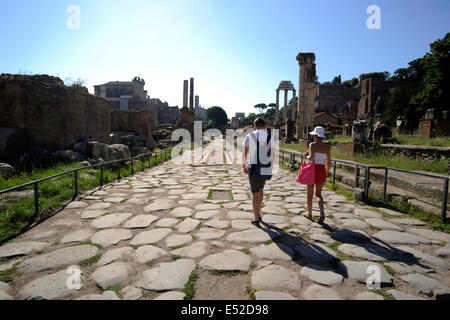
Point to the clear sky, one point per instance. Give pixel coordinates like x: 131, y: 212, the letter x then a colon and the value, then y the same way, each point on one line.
x: 238, y: 51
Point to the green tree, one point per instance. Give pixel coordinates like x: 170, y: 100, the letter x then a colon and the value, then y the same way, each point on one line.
x: 261, y: 107
x: 217, y: 115
x: 400, y: 105
x: 352, y: 83
x: 436, y: 74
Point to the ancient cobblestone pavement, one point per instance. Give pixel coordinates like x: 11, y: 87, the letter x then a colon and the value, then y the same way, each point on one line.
x: 142, y: 238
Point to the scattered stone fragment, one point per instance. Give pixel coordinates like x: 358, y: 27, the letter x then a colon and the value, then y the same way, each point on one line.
x: 148, y: 253
x: 21, y: 248
x: 187, y: 225
x: 50, y: 287
x: 140, y: 221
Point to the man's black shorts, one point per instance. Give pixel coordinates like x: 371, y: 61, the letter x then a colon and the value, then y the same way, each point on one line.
x: 256, y: 183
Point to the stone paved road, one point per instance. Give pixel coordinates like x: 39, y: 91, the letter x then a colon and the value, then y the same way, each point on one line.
x: 142, y: 237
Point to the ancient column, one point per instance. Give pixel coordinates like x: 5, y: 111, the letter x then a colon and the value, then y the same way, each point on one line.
x: 185, y: 93
x: 191, y: 98
x: 277, y: 111
x: 294, y: 105
x: 307, y: 88
x: 285, y: 105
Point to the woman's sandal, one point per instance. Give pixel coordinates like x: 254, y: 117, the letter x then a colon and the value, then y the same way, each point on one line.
x: 321, y: 219
x: 308, y: 217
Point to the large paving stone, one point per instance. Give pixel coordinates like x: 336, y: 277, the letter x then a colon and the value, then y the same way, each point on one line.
x: 274, y: 278
x: 425, y: 285
x: 322, y: 275
x: 168, y: 276
x: 109, y: 237
x: 131, y: 293
x: 402, y: 267
x: 368, y: 296
x: 148, y: 253
x: 316, y: 253
x: 273, y: 210
x: 116, y: 254
x: 391, y: 212
x: 432, y: 235
x: 77, y: 236
x: 92, y: 214
x: 152, y: 236
x: 50, y: 287
x: 58, y: 258
x: 354, y: 224
x: 354, y: 236
x: 382, y: 225
x: 274, y: 251
x: 21, y: 248
x: 274, y: 219
x: 187, y: 225
x: 209, y: 234
x: 106, y: 295
x: 253, y: 236
x: 273, y: 295
x: 207, y: 214
x: 163, y: 204
x: 196, y: 250
x: 399, y: 295
x: 110, y: 221
x: 367, y: 251
x: 409, y: 222
x: 140, y: 221
x: 317, y: 292
x: 422, y: 256
x: 167, y: 222
x: 77, y: 205
x: 195, y: 196
x: 111, y: 274
x: 322, y: 238
x: 230, y: 260
x: 301, y: 220
x: 178, y: 239
x: 242, y: 224
x: 400, y: 237
x: 98, y: 206
x: 240, y: 215
x: 358, y: 271
x: 363, y: 213
x: 207, y: 206
x: 218, y: 224
x: 171, y: 295
x: 444, y: 252
x: 182, y: 212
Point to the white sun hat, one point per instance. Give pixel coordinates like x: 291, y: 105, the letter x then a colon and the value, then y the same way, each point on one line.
x: 318, y: 131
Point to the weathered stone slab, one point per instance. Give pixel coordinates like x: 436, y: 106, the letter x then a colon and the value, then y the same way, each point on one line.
x: 115, y: 254
x: 98, y: 206
x: 398, y: 295
x: 344, y: 216
x: 109, y: 237
x: 350, y: 236
x: 432, y: 235
x: 273, y: 210
x: 273, y: 278
x: 301, y: 220
x: 77, y: 236
x: 178, y: 239
x: 148, y: 253
x: 367, y: 251
x: 106, y: 295
x: 110, y: 221
x: 171, y: 295
x: 444, y: 252
x: 425, y: 285
x: 274, y: 251
x: 273, y: 219
x: 152, y: 236
x: 217, y: 223
x: 21, y: 248
x: 409, y: 222
x: 354, y: 224
x: 182, y: 212
x: 193, y: 251
x: 237, y: 215
x: 322, y: 238
x: 317, y: 292
x: 272, y: 295
x: 246, y: 207
x: 111, y: 274
x: 131, y: 293
x: 242, y: 224
x: 322, y: 275
x: 363, y: 213
x: 187, y: 225
x: 207, y: 206
x: 253, y: 236
x: 159, y: 205
x: 58, y: 258
x: 368, y: 296
x: 167, y: 222
x: 140, y: 221
x: 92, y: 214
x: 50, y: 287
x: 400, y: 237
x: 168, y: 276
x: 402, y: 268
x: 195, y: 196
x: 77, y: 205
x: 359, y: 272
x: 208, y: 214
x: 208, y: 234
x: 425, y: 257
x: 316, y: 253
x: 391, y: 212
x: 230, y: 205
x: 382, y: 225
x: 230, y: 260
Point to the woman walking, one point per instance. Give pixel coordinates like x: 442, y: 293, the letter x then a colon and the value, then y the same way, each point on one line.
x: 319, y: 153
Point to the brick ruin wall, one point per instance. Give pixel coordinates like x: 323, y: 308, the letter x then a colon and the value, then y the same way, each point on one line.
x: 139, y: 122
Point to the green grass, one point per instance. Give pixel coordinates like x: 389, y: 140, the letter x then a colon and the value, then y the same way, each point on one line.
x: 175, y: 257
x: 90, y: 261
x: 84, y: 243
x: 9, y: 274
x: 189, y: 288
x: 268, y: 242
x: 117, y: 289
x: 339, y: 254
x: 435, y: 142
x: 384, y: 294
x: 53, y: 194
x: 245, y: 250
x: 340, y: 138
x: 251, y: 292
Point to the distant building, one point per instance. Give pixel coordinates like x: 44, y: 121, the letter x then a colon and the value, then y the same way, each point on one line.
x: 200, y: 112
x: 240, y: 115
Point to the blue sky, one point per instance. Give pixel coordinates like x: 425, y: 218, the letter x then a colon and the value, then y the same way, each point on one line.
x: 237, y: 50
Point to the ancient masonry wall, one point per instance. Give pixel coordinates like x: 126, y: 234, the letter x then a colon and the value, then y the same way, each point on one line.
x: 139, y: 122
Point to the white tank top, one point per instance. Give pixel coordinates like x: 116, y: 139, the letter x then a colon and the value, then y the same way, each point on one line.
x: 319, y: 158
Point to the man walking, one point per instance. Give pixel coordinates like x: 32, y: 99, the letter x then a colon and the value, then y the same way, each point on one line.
x: 259, y: 165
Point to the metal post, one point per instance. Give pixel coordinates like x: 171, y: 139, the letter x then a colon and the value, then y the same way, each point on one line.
x: 366, y: 183
x: 36, y: 199
x: 101, y: 176
x: 132, y: 167
x: 118, y: 171
x: 385, y: 183
x: 75, y: 173
x: 142, y: 162
x: 444, y: 201
x: 334, y: 173
x: 356, y: 176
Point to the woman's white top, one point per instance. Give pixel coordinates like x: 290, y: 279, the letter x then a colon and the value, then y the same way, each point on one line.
x: 320, y: 158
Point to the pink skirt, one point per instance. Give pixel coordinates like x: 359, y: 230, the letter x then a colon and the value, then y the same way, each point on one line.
x: 320, y: 173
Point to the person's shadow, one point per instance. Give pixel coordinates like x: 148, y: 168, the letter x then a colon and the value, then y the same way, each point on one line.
x: 322, y: 258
